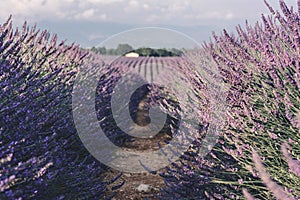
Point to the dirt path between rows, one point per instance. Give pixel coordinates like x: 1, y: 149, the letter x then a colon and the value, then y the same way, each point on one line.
x: 138, y: 186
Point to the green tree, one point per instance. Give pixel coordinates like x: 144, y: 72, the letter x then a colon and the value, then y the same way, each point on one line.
x: 123, y: 49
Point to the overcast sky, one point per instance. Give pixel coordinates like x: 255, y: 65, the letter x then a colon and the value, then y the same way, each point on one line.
x: 89, y: 22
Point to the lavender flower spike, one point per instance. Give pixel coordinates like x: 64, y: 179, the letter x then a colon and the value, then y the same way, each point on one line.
x: 277, y: 190
x: 247, y: 195
x: 294, y: 165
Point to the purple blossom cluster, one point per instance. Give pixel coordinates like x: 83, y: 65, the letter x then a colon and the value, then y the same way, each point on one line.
x: 41, y: 155
x: 260, y: 66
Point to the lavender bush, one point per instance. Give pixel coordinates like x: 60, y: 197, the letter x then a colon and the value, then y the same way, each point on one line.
x: 194, y: 176
x: 261, y: 67
x: 41, y: 155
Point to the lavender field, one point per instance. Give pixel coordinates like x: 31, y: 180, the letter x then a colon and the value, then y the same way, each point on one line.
x: 257, y: 152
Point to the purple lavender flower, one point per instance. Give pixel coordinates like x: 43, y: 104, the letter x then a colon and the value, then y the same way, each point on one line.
x: 41, y: 155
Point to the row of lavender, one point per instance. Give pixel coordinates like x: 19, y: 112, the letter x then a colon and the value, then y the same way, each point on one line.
x: 112, y: 69
x: 40, y: 152
x: 258, y: 153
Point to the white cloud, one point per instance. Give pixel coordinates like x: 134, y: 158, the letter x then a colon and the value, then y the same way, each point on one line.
x: 179, y: 6
x: 183, y: 14
x: 180, y: 12
x: 145, y: 6
x: 85, y: 14
x: 132, y: 6
x: 53, y: 10
x: 103, y: 1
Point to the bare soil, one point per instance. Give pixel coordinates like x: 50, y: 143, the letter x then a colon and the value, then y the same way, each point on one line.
x: 133, y: 180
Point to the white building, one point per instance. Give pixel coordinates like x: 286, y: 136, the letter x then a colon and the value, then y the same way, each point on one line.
x: 132, y: 55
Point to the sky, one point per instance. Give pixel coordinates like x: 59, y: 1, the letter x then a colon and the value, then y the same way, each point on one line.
x: 90, y: 22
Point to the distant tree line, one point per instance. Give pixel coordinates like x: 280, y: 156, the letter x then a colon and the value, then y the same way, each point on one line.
x: 146, y: 51
x: 143, y: 51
